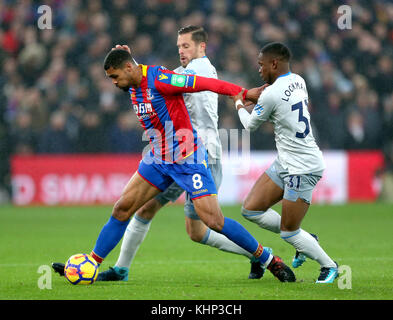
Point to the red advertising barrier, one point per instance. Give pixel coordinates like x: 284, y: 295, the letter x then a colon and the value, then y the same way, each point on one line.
x: 363, y: 181
x: 100, y: 179
x: 71, y: 179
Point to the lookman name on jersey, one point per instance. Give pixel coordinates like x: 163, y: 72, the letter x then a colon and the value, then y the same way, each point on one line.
x: 292, y: 87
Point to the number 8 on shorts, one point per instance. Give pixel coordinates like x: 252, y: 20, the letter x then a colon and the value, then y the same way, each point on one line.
x: 197, y: 181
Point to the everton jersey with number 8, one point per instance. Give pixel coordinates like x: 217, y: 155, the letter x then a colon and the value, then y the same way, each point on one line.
x: 159, y: 106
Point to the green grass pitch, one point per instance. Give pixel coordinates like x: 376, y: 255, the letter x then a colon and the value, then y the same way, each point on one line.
x: 169, y: 266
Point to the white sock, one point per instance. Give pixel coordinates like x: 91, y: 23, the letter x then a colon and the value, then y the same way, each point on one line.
x: 133, y: 237
x: 306, y: 244
x: 269, y: 219
x: 219, y: 241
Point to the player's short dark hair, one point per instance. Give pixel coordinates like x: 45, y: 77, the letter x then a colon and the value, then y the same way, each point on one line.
x: 198, y: 34
x: 277, y: 49
x: 117, y: 58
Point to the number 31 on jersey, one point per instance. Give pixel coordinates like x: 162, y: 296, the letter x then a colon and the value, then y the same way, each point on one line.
x: 302, y: 118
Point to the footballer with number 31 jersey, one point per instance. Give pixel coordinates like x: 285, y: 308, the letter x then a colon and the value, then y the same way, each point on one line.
x: 284, y: 103
x: 299, y: 166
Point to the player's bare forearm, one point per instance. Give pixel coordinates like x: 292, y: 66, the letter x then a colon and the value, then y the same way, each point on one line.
x: 254, y: 93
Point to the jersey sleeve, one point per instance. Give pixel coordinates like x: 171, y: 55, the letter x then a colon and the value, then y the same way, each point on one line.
x: 260, y: 113
x: 171, y: 83
x: 265, y: 105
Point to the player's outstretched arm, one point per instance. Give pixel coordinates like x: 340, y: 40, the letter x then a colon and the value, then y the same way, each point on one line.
x: 172, y: 83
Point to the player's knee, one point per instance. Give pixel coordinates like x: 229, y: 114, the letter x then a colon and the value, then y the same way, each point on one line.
x: 146, y: 213
x: 288, y: 226
x: 250, y: 205
x: 121, y: 211
x: 195, y: 232
x: 253, y: 204
x: 195, y: 236
x: 250, y: 214
x: 214, y: 223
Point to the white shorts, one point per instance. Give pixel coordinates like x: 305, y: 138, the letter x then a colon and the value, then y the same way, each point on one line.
x: 294, y: 185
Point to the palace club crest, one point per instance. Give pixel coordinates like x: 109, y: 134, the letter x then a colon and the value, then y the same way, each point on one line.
x: 149, y: 95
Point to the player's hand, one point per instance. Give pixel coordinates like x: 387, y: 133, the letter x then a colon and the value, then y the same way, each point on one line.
x: 248, y: 104
x: 254, y: 93
x: 239, y: 96
x: 238, y: 99
x: 122, y: 46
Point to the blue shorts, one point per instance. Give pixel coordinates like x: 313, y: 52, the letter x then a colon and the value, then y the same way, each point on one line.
x: 192, y: 176
x: 174, y: 191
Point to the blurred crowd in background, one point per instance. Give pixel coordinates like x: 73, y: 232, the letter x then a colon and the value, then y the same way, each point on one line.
x: 55, y: 98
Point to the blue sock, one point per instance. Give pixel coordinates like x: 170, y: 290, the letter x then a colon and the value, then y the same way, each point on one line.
x: 264, y: 256
x: 110, y: 236
x: 234, y: 231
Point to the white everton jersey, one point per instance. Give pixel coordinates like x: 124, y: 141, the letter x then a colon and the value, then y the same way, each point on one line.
x: 202, y: 106
x: 284, y: 103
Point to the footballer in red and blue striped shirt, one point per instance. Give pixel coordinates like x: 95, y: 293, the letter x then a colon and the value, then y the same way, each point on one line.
x: 160, y: 108
x: 159, y: 105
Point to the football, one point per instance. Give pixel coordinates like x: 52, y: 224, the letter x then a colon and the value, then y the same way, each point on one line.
x: 81, y: 268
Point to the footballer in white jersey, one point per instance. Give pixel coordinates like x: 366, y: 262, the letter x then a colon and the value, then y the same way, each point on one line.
x: 299, y: 164
x: 203, y: 107
x: 284, y: 103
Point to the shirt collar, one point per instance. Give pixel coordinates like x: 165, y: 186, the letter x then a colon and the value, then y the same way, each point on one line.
x: 284, y: 75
